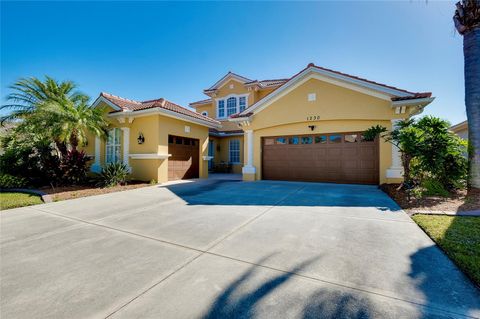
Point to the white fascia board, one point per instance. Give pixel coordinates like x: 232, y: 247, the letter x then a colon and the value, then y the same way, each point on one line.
x: 329, y: 77
x: 167, y: 113
x: 423, y: 101
x: 228, y: 76
x: 104, y: 100
x: 239, y: 119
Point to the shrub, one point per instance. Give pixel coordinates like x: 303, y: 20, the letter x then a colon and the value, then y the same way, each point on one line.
x: 430, y: 153
x: 113, y: 174
x: 10, y: 181
x: 74, y: 167
x: 433, y: 187
x: 30, y: 157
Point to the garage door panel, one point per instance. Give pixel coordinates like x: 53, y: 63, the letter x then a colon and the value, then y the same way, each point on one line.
x: 184, y: 160
x: 342, y: 160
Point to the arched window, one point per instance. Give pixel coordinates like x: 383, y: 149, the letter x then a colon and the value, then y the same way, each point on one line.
x: 231, y: 106
x: 205, y: 113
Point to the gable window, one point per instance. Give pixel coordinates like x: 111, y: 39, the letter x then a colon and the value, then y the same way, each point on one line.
x: 231, y: 106
x: 242, y: 101
x: 113, y: 146
x: 205, y: 113
x: 234, y: 151
x: 221, y: 108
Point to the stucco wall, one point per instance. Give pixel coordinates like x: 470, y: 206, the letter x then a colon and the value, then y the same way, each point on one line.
x: 336, y: 110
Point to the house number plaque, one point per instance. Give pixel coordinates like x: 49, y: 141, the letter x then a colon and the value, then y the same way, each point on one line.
x: 313, y: 117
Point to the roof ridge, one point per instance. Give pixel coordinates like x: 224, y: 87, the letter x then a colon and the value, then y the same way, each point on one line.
x: 360, y: 78
x: 118, y: 97
x: 152, y: 100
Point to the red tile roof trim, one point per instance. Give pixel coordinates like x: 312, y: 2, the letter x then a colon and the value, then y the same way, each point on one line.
x: 132, y: 105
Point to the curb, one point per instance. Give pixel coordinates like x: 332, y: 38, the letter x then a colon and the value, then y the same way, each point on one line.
x: 447, y: 213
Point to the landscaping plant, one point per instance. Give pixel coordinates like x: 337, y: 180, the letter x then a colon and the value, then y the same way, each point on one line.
x: 51, y: 119
x: 10, y: 181
x: 114, y: 174
x: 432, y: 156
x: 74, y: 167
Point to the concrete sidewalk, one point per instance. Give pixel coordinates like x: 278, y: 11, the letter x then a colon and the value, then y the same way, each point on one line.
x: 223, y: 248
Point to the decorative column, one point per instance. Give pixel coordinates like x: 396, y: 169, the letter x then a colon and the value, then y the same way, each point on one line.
x: 249, y: 168
x: 126, y: 146
x: 396, y: 170
x: 96, y: 167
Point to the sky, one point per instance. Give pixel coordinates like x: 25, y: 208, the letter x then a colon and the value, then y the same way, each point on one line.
x: 147, y: 50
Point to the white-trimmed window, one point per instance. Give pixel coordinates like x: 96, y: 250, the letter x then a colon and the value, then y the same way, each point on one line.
x: 234, y: 151
x: 242, y: 102
x: 231, y: 106
x: 113, y: 146
x: 221, y: 108
x: 205, y: 113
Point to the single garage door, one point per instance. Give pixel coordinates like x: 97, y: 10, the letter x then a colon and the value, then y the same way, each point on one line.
x: 335, y: 157
x: 184, y: 160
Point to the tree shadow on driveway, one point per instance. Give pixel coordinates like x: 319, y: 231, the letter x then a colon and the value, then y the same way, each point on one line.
x: 270, y: 193
x: 276, y: 298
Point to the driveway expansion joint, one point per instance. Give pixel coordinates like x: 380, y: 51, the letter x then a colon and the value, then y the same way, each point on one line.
x: 207, y: 251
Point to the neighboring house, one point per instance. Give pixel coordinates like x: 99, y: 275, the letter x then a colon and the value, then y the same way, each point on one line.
x: 461, y: 129
x: 157, y: 139
x: 308, y: 127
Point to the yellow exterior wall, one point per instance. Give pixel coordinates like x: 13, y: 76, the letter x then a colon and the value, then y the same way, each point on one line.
x: 262, y: 93
x: 222, y: 155
x: 210, y: 108
x: 339, y: 110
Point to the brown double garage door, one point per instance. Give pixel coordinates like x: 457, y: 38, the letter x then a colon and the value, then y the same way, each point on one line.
x: 335, y: 157
x: 184, y: 160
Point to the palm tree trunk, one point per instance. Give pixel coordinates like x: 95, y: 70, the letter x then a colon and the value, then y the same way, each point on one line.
x: 74, y: 140
x: 471, y: 50
x: 62, y: 148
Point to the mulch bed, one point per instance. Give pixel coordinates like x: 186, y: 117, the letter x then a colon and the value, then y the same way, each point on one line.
x: 69, y: 192
x: 458, y: 201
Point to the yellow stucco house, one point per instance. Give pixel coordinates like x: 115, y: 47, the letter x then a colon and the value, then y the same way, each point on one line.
x: 304, y: 128
x: 307, y: 127
x: 157, y: 139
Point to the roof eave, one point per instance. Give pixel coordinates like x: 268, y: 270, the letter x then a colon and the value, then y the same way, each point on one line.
x: 168, y: 113
x: 414, y: 102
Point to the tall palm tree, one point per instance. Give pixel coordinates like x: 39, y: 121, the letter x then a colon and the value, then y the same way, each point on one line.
x: 467, y: 23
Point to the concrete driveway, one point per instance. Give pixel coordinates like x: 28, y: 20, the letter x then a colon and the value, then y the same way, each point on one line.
x: 223, y: 249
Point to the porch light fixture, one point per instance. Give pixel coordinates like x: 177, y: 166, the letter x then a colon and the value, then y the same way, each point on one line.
x: 312, y: 127
x: 140, y: 138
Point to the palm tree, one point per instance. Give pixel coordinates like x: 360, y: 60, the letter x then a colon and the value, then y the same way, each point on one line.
x: 55, y: 109
x: 73, y: 120
x: 467, y: 23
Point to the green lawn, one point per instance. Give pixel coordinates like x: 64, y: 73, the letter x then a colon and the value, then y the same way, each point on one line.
x: 12, y: 200
x: 459, y: 237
